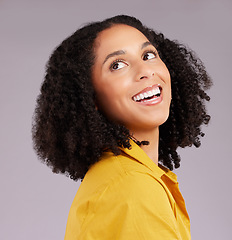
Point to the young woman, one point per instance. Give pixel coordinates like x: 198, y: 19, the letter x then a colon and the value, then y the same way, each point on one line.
x: 117, y: 101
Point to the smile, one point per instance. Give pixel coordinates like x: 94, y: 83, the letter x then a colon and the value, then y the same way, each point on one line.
x: 150, y: 94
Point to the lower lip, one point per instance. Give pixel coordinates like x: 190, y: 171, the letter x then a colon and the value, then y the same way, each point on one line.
x: 151, y: 102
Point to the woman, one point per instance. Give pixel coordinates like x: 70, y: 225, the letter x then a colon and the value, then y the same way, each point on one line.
x: 117, y: 100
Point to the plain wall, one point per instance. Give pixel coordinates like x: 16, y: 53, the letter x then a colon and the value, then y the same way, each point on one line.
x: 34, y: 202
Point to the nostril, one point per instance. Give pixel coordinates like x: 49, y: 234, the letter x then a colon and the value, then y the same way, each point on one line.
x: 147, y: 76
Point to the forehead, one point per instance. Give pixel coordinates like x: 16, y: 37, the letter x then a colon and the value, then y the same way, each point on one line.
x: 118, y: 37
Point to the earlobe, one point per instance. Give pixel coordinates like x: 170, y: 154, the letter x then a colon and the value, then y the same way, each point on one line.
x: 96, y: 107
x: 95, y: 102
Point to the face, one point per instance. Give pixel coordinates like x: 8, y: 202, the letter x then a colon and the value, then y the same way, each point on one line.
x: 132, y: 83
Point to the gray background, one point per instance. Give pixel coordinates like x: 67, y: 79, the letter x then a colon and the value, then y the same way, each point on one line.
x: 34, y: 203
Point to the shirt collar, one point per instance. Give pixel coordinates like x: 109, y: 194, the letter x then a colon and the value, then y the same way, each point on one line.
x: 137, y: 153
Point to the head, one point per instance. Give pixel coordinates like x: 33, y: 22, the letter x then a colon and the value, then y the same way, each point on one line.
x: 127, y: 65
x: 87, y: 91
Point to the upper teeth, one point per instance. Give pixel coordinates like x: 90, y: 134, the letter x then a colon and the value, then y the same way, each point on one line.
x: 147, y: 94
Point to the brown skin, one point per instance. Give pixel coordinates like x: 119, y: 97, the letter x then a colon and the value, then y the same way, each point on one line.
x: 116, y: 83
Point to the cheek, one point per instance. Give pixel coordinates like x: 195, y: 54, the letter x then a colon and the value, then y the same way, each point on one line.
x: 163, y: 72
x: 112, y: 88
x: 112, y: 98
x: 165, y: 75
x: 107, y: 97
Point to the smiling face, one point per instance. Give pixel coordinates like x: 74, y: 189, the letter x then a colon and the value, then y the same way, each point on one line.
x: 132, y: 83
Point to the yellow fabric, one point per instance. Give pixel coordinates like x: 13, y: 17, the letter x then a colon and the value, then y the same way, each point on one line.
x: 128, y: 197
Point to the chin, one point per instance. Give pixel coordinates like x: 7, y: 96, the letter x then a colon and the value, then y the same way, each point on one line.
x: 165, y: 118
x: 159, y: 120
x: 147, y: 124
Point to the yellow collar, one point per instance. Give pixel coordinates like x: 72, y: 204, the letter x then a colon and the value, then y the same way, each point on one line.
x: 137, y: 153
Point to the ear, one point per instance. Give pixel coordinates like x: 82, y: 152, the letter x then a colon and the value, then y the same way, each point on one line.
x: 95, y: 102
x: 96, y: 107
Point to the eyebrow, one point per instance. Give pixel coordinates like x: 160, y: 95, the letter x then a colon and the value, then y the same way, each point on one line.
x: 116, y: 53
x: 121, y: 52
x: 145, y: 45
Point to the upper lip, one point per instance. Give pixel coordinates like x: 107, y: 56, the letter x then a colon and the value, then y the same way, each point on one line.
x: 150, y: 88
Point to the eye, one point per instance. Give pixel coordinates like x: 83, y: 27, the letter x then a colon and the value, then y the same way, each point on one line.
x: 117, y: 64
x: 149, y: 55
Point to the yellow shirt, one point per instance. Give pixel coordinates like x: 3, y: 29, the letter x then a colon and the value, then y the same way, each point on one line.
x: 128, y: 197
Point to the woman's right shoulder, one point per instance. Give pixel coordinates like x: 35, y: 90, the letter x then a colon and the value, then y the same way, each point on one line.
x: 118, y: 175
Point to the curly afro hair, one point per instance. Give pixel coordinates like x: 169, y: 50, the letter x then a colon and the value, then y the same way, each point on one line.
x: 70, y: 134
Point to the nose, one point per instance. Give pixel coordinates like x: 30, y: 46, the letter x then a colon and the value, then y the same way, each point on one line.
x: 144, y: 71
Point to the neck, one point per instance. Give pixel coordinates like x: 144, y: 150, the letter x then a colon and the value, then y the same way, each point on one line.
x: 153, y: 137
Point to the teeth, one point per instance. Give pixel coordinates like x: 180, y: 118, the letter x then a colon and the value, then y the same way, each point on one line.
x: 147, y: 94
x: 150, y: 94
x: 156, y: 91
x: 136, y: 98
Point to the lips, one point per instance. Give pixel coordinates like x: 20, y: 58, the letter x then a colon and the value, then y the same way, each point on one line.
x: 148, y: 94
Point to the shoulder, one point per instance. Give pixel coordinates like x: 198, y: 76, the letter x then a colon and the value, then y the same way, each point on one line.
x: 120, y: 173
x: 132, y: 204
x: 123, y: 195
x: 136, y: 189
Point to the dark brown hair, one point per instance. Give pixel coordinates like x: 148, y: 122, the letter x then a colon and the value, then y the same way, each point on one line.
x: 69, y: 134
